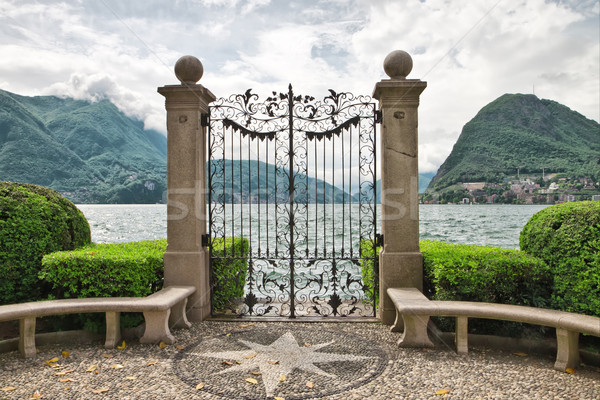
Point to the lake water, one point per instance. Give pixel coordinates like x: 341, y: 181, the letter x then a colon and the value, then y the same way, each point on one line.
x: 494, y: 225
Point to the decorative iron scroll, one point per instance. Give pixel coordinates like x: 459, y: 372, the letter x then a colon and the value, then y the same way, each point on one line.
x: 296, y: 177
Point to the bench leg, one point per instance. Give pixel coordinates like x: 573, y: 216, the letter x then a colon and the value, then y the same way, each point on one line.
x: 113, y: 329
x: 157, y: 327
x: 567, y: 352
x: 178, y: 318
x: 27, y: 337
x: 415, y: 331
x: 461, y: 337
x: 398, y: 323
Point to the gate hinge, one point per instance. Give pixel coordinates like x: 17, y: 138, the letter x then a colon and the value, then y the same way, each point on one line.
x: 378, y: 116
x: 205, y: 240
x: 378, y: 239
x: 204, y: 119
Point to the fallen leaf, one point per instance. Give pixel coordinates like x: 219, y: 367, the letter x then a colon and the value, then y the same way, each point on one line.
x: 310, y: 385
x: 179, y: 347
x: 227, y: 362
x: 162, y: 345
x: 306, y: 344
x: 273, y: 362
x: 52, y: 360
x: 122, y: 346
x: 281, y: 378
x: 8, y: 388
x: 250, y: 356
x: 229, y: 334
x: 570, y: 370
x: 66, y: 380
x: 63, y: 373
x: 442, y: 391
x: 101, y: 390
x: 117, y: 366
x: 106, y: 355
x: 520, y: 354
x: 279, y: 398
x: 246, y: 325
x: 36, y: 395
x: 65, y: 354
x: 130, y: 378
x: 252, y: 381
x: 256, y: 373
x: 151, y: 363
x: 200, y: 386
x: 92, y: 368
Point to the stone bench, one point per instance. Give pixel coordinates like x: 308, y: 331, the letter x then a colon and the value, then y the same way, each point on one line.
x: 161, y: 309
x: 414, y: 310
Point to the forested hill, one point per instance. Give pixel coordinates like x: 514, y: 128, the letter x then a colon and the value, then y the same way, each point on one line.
x: 91, y: 152
x: 525, y: 132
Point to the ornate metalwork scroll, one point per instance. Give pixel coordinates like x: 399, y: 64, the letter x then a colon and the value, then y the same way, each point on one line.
x: 295, y: 178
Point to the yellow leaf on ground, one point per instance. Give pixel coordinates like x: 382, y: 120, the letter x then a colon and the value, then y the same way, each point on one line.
x: 101, y: 390
x: 229, y: 334
x: 63, y: 373
x: 281, y: 378
x: 200, y: 386
x: 570, y: 371
x: 162, y: 345
x: 117, y: 366
x: 106, y: 355
x: 52, y: 360
x: 520, y: 354
x: 246, y: 325
x: 310, y: 385
x: 179, y: 347
x: 279, y: 398
x: 66, y: 380
x: 442, y: 391
x: 250, y: 356
x: 130, y: 378
x: 256, y: 373
x: 306, y: 344
x: 8, y: 388
x: 36, y: 395
x: 92, y: 368
x: 151, y: 363
x: 122, y: 346
x: 252, y: 381
x: 65, y: 354
x: 273, y: 362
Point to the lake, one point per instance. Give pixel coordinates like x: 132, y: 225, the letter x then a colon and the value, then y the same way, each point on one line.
x: 494, y: 225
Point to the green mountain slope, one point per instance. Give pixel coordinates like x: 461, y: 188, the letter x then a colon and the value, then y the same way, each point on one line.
x: 522, y: 131
x: 91, y: 152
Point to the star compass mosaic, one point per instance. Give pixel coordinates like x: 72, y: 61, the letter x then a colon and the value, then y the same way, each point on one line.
x: 280, y: 363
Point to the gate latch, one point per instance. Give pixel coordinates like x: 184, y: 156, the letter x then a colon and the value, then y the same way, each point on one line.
x: 205, y: 240
x: 204, y: 119
x: 378, y: 239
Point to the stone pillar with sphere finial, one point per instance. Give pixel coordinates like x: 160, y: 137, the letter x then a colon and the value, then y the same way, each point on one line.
x: 400, y: 260
x: 186, y: 261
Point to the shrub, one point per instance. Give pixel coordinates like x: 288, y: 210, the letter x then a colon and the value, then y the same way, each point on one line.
x: 567, y: 237
x: 485, y: 274
x: 33, y: 221
x: 229, y: 269
x: 132, y: 269
x: 369, y: 259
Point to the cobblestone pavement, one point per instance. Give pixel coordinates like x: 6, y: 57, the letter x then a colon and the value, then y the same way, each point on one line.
x: 286, y: 360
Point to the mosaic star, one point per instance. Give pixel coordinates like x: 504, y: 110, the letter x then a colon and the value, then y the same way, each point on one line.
x: 280, y: 358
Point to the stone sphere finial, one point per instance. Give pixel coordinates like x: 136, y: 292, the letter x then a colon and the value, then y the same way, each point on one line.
x: 398, y: 64
x: 189, y: 70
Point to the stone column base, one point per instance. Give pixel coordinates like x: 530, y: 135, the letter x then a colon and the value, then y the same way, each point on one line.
x: 190, y: 269
x: 397, y: 270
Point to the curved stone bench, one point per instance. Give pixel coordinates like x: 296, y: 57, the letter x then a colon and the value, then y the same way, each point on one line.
x: 161, y: 309
x: 413, y: 310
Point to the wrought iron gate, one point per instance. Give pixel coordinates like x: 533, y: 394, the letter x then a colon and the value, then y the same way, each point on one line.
x: 292, y: 203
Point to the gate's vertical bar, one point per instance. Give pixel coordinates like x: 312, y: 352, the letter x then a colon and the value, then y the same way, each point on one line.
x: 186, y: 261
x: 401, y: 262
x: 292, y: 247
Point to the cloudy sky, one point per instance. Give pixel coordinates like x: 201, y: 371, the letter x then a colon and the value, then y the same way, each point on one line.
x: 470, y: 52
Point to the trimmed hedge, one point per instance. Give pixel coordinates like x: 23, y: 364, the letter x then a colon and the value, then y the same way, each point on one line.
x: 229, y: 270
x: 485, y: 274
x: 368, y: 252
x: 567, y: 237
x: 34, y: 221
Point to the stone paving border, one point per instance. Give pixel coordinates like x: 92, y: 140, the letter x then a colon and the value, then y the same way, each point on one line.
x: 142, y: 371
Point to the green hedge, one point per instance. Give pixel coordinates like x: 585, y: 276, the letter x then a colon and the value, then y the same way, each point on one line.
x: 485, y: 274
x: 370, y: 279
x: 567, y: 237
x: 34, y: 221
x: 229, y: 270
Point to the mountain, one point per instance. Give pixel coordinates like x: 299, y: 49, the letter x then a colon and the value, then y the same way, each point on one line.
x: 521, y: 134
x: 90, y: 152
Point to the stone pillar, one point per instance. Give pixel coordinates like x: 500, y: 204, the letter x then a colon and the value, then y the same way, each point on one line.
x: 186, y: 261
x: 400, y: 260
